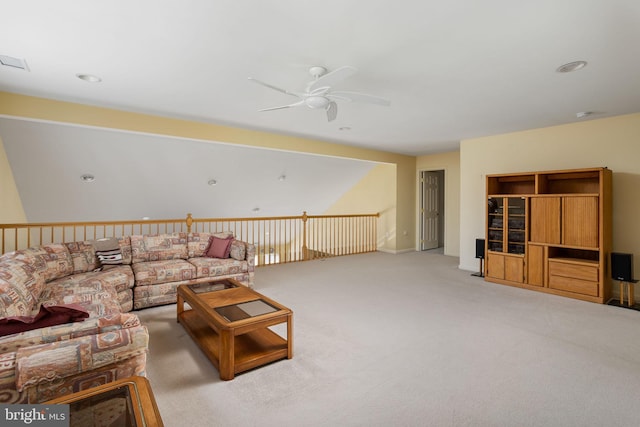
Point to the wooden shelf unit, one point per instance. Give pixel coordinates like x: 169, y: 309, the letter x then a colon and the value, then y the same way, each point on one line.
x: 551, y: 232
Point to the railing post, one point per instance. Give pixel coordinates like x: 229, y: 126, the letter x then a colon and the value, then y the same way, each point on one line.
x: 305, y: 249
x: 189, y: 222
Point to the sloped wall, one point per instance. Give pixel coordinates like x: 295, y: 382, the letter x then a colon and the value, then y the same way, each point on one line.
x: 374, y: 193
x: 10, y: 204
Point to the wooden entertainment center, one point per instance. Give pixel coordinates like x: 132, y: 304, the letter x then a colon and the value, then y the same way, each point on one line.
x: 551, y: 232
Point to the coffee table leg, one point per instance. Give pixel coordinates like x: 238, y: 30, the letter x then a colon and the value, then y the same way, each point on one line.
x: 290, y: 336
x: 227, y: 351
x: 179, y: 307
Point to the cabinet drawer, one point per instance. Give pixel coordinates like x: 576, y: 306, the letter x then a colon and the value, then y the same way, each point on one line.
x: 573, y: 285
x: 582, y: 272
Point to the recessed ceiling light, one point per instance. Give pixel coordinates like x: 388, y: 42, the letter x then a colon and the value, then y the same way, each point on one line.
x: 256, y: 209
x: 571, y: 66
x: 146, y: 218
x: 282, y: 177
x: 583, y: 114
x: 87, y: 177
x: 344, y: 128
x: 89, y: 78
x: 212, y: 182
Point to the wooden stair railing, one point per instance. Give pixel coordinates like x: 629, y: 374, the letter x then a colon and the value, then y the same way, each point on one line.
x: 277, y: 239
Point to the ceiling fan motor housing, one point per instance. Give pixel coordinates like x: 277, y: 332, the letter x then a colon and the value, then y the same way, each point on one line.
x: 316, y: 101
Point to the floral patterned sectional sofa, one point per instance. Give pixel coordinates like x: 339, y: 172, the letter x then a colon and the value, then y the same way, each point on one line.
x: 65, y: 320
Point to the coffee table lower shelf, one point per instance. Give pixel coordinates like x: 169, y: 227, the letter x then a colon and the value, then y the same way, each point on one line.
x: 250, y: 350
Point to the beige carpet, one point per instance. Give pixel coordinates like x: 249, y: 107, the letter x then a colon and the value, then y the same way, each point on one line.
x: 410, y: 340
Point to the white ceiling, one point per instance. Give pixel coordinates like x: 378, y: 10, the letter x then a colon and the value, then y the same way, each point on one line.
x: 139, y: 175
x: 452, y: 69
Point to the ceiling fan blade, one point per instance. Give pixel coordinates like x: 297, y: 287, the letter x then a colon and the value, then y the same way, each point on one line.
x: 358, y: 97
x: 274, y: 87
x: 284, y: 106
x: 333, y: 77
x: 332, y: 111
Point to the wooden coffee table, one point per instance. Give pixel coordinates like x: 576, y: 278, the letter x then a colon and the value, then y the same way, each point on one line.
x: 125, y: 402
x: 230, y: 322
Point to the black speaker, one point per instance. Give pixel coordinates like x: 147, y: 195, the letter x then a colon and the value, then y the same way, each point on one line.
x: 480, y: 248
x: 622, y: 267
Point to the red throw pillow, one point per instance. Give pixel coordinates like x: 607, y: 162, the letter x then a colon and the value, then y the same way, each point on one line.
x: 47, y: 316
x: 219, y: 248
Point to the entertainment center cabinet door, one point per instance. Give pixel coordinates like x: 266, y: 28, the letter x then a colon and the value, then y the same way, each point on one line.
x: 495, y: 266
x: 505, y: 267
x: 535, y: 266
x: 580, y: 221
x: 545, y: 220
x: 514, y: 269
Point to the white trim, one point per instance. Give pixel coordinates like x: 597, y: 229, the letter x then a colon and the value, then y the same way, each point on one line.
x: 396, y: 252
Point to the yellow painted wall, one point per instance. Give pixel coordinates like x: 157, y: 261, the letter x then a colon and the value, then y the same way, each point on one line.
x: 374, y: 193
x: 612, y: 142
x: 406, y: 205
x: 57, y: 111
x: 450, y: 163
x: 11, y: 210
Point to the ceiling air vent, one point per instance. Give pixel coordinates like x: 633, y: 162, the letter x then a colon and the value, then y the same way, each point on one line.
x: 10, y: 61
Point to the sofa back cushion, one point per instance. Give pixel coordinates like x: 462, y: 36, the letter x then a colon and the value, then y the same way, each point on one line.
x: 52, y: 261
x: 83, y: 255
x: 198, y: 243
x: 125, y: 248
x: 20, y: 286
x: 158, y: 247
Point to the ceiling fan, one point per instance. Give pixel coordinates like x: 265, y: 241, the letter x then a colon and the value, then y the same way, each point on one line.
x: 318, y: 93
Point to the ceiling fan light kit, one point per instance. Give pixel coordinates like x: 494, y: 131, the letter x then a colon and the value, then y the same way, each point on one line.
x: 319, y: 94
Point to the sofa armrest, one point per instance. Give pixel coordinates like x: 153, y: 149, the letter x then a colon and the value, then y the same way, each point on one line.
x: 51, y: 334
x: 46, y: 363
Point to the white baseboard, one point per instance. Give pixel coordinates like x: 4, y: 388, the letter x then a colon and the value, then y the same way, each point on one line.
x: 395, y: 252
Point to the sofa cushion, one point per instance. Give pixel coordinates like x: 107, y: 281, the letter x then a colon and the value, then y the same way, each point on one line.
x: 155, y: 272
x: 158, y: 247
x: 52, y: 261
x: 198, y: 243
x: 20, y: 286
x: 91, y: 326
x: 49, y: 363
x: 96, y: 296
x: 83, y: 255
x: 125, y: 249
x: 46, y: 316
x: 120, y: 277
x: 237, y: 250
x: 125, y: 299
x: 213, y: 267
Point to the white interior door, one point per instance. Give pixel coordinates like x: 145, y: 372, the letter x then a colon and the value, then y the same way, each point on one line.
x: 431, y: 224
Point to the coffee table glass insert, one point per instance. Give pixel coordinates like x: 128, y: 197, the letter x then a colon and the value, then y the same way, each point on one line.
x: 245, y: 310
x: 218, y: 285
x: 127, y: 402
x: 116, y: 402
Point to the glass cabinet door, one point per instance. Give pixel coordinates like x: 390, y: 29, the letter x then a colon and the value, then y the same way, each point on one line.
x: 495, y: 235
x: 516, y: 225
